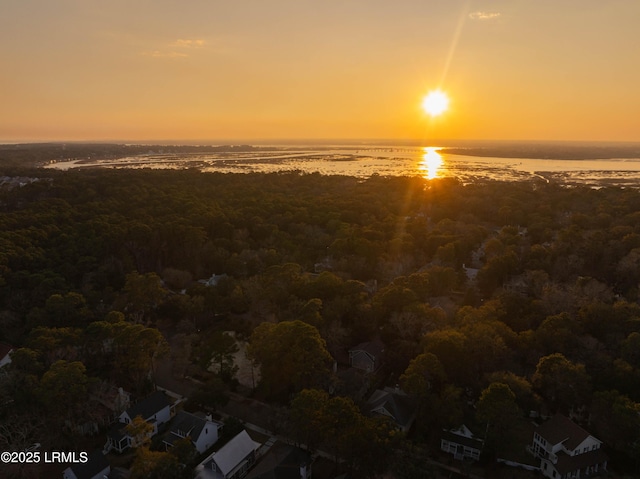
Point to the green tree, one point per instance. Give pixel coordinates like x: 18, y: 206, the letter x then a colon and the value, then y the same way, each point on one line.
x: 425, y: 373
x: 142, y: 294
x: 156, y: 465
x: 307, y: 417
x: 64, y: 387
x: 498, y: 409
x: 292, y: 356
x: 564, y: 383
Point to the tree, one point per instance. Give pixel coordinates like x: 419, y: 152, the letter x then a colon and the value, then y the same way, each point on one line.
x: 64, y: 387
x: 307, y: 417
x: 209, y: 396
x: 292, y: 356
x: 136, y: 348
x: 616, y: 419
x: 156, y: 465
x: 140, y: 431
x: 498, y: 409
x: 425, y: 372
x: 564, y: 383
x: 142, y: 293
x: 219, y: 350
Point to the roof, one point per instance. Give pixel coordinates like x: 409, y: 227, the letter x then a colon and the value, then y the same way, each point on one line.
x: 471, y: 442
x: 96, y: 463
x: 400, y: 406
x: 559, y: 429
x: 117, y: 432
x: 374, y: 348
x: 567, y: 464
x: 281, y: 462
x: 233, y: 452
x: 187, y: 424
x: 5, y: 349
x: 149, y: 406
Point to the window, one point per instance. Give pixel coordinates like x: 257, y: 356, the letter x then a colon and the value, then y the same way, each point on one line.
x: 206, y: 430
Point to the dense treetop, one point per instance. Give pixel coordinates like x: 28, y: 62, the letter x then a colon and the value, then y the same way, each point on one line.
x: 519, y: 294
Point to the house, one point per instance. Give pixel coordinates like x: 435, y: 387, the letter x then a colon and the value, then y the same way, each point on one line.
x: 5, y: 354
x: 462, y: 443
x: 202, y: 431
x: 106, y: 403
x: 394, y: 404
x: 156, y: 409
x: 283, y: 461
x: 567, y: 451
x: 367, y: 356
x: 232, y: 461
x: 96, y: 467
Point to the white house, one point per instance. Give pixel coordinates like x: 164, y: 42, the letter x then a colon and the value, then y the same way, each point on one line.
x: 202, y: 432
x: 462, y: 443
x: 156, y: 409
x: 566, y: 451
x: 97, y: 467
x: 232, y: 461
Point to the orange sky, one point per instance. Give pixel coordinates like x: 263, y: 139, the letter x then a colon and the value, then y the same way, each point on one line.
x: 278, y: 69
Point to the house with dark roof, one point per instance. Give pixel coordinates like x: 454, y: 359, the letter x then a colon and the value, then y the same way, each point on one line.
x: 96, y: 467
x: 156, y: 409
x: 201, y: 431
x: 232, y: 461
x: 283, y: 461
x: 395, y: 404
x: 367, y: 356
x: 567, y: 451
x: 462, y: 443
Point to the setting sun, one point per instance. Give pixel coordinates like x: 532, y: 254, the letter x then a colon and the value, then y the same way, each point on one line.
x: 435, y: 103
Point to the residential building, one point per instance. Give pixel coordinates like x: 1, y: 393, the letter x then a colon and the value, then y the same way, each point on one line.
x: 156, y: 409
x: 394, y: 404
x: 201, y: 431
x: 96, y: 467
x: 283, y: 461
x: 232, y: 461
x: 367, y: 356
x: 462, y: 443
x: 567, y: 451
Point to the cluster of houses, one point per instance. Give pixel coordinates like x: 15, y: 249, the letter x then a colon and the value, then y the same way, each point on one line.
x: 234, y: 460
x: 559, y: 448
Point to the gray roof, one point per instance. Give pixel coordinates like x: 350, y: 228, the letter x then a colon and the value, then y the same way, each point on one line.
x: 374, y: 348
x: 282, y: 461
x: 234, y: 452
x: 400, y: 406
x: 96, y: 463
x: 187, y: 424
x: 463, y: 440
x: 149, y: 406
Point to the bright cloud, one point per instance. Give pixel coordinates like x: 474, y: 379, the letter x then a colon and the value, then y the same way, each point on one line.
x: 484, y: 15
x: 188, y: 43
x: 176, y: 49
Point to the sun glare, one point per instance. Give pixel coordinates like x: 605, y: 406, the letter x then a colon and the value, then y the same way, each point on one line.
x: 431, y: 163
x: 435, y: 103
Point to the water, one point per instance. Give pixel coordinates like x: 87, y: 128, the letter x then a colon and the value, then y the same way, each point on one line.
x: 366, y: 160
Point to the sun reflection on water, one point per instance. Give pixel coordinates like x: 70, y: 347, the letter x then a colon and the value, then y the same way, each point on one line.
x: 431, y: 163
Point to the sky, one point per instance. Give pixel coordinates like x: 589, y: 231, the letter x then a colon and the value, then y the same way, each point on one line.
x: 143, y: 70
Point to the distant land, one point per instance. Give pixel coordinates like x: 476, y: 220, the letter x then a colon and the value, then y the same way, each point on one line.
x: 40, y: 154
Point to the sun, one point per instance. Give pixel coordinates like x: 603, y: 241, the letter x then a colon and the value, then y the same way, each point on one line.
x: 435, y: 103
